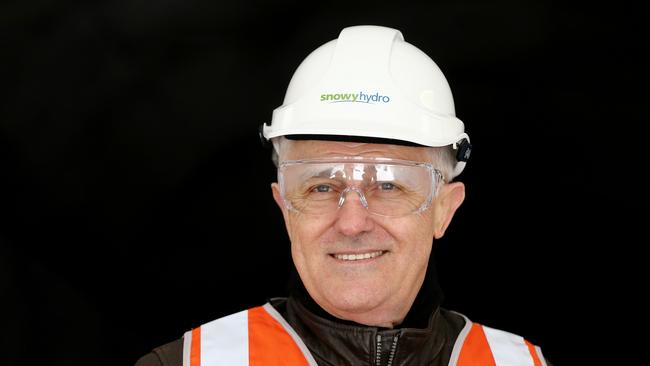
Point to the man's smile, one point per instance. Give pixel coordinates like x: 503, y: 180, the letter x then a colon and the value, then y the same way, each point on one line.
x: 358, y: 256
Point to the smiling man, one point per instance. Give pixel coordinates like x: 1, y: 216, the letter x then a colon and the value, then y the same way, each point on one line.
x: 365, y: 185
x: 361, y: 218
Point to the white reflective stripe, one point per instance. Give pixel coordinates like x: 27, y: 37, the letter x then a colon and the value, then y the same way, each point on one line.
x: 187, y: 346
x: 508, y: 349
x: 225, y: 341
x: 455, y: 353
x: 303, y: 347
x: 540, y: 356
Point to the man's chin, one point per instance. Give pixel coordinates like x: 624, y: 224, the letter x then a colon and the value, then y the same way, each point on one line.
x: 354, y: 300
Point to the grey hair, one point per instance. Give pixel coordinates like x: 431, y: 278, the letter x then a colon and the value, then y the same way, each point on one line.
x: 442, y: 158
x: 280, y: 146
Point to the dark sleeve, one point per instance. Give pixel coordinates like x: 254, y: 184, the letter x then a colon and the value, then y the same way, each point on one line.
x: 171, y: 354
x: 150, y: 359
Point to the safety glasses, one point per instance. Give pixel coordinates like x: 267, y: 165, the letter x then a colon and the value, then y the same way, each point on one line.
x: 385, y: 187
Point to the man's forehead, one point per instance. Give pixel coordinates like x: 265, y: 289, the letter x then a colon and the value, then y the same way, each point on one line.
x: 309, y: 149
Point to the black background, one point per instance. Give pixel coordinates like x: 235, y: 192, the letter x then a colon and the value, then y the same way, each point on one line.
x: 135, y: 198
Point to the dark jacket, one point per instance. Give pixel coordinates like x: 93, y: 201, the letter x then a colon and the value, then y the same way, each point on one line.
x: 426, y: 337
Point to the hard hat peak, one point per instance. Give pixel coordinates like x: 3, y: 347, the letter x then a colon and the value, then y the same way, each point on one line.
x: 364, y: 51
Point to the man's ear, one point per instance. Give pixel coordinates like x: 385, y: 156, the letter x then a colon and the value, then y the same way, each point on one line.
x: 277, y: 196
x: 449, y: 198
x: 280, y: 202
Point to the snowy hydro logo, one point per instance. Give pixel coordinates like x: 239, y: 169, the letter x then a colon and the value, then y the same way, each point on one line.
x: 359, y: 97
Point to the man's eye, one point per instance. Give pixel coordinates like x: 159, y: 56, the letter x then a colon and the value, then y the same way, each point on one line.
x: 322, y: 188
x: 387, y: 186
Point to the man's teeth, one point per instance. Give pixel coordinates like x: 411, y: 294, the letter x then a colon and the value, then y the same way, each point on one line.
x: 356, y: 257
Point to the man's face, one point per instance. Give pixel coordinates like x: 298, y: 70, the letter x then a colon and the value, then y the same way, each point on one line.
x: 378, y: 290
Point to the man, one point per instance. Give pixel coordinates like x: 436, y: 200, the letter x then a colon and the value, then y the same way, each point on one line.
x: 367, y: 145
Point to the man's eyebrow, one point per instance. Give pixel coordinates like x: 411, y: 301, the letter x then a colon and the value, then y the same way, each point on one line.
x: 316, y: 172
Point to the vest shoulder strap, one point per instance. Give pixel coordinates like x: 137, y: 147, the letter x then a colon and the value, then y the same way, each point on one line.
x: 480, y: 345
x: 253, y: 337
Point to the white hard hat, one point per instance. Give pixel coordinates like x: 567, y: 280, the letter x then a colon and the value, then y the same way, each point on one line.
x: 371, y: 83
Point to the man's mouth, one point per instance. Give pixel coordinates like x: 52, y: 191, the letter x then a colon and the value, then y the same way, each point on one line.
x: 358, y: 256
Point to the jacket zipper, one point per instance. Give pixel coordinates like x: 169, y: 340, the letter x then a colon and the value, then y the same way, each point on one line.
x: 391, y: 355
x: 378, y: 351
x: 393, y: 347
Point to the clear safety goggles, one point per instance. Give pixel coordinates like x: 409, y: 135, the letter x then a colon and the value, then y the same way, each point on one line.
x: 385, y: 187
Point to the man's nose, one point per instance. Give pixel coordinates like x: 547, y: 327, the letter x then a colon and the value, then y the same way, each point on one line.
x: 352, y: 217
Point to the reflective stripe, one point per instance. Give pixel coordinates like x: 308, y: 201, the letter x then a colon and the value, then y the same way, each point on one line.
x: 220, y: 342
x: 187, y: 344
x: 460, y: 340
x: 476, y: 349
x: 533, y: 353
x: 540, y: 356
x: 480, y: 345
x: 508, y: 349
x: 254, y: 337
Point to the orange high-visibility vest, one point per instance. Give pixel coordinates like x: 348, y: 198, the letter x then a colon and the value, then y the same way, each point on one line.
x: 261, y: 337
